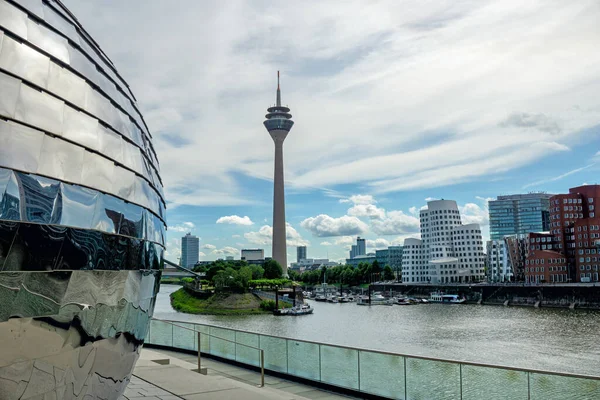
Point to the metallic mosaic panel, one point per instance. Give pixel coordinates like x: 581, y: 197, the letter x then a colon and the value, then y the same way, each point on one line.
x: 82, y: 211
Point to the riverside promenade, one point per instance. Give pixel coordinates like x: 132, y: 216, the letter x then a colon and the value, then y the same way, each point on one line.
x: 169, y: 375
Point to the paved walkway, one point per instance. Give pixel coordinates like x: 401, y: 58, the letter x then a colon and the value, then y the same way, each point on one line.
x: 172, y: 378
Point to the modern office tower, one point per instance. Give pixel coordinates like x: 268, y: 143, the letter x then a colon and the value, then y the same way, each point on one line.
x: 358, y: 249
x: 82, y: 211
x: 453, y: 252
x: 279, y: 124
x: 498, y: 263
x: 353, y: 251
x: 300, y: 253
x: 519, y: 214
x: 253, y: 254
x: 570, y: 252
x: 190, y: 249
x: 361, y: 245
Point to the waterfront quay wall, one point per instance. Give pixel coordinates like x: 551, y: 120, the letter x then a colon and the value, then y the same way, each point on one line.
x: 562, y: 296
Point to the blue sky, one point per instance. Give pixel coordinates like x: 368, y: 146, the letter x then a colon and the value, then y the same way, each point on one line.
x: 393, y: 102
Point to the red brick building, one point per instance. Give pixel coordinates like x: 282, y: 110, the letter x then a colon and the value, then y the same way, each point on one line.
x: 569, y: 253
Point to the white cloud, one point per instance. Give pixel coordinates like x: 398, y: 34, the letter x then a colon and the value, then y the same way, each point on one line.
x: 235, y: 220
x: 202, y: 254
x: 428, y: 199
x: 183, y: 227
x: 226, y: 251
x: 472, y: 213
x: 557, y: 178
x: 326, y: 243
x: 264, y: 236
x: 359, y: 199
x: 208, y: 246
x: 395, y: 223
x: 236, y: 236
x: 173, y: 250
x: 324, y: 226
x: 505, y: 98
x: 367, y: 210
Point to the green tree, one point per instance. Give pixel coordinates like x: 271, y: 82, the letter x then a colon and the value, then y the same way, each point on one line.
x: 272, y: 269
x: 388, y: 274
x: 257, y: 271
x: 293, y: 275
x: 244, y: 276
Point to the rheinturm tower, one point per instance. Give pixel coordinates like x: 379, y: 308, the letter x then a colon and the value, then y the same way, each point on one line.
x: 278, y: 123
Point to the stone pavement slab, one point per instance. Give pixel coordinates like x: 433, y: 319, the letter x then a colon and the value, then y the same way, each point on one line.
x: 173, y: 378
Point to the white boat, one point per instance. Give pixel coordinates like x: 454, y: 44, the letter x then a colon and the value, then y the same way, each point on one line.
x: 402, y: 301
x: 320, y: 297
x: 300, y: 309
x: 439, y: 297
x: 376, y: 300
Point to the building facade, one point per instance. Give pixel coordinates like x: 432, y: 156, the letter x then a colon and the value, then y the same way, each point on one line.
x: 190, y: 250
x: 300, y: 253
x: 365, y: 258
x: 519, y: 214
x: 82, y: 211
x: 253, y: 254
x: 574, y: 237
x: 453, y: 252
x: 499, y: 268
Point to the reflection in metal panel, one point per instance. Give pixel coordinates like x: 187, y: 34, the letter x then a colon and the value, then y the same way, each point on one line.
x: 82, y: 212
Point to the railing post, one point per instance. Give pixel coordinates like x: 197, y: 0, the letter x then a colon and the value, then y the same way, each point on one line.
x: 528, y: 386
x: 405, y: 381
x: 262, y: 368
x: 199, y: 350
x: 461, y: 388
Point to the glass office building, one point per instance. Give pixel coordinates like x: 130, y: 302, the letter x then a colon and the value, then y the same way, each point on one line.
x: 519, y: 214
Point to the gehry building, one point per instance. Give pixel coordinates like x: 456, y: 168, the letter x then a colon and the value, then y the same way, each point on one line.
x: 82, y: 211
x: 448, y: 252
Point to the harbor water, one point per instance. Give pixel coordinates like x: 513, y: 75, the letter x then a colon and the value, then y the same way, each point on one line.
x: 558, y: 340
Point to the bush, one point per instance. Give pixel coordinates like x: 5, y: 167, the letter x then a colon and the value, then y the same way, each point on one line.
x: 267, y: 305
x: 188, y: 280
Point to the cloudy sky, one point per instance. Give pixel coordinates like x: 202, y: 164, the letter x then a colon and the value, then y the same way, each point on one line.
x: 394, y: 102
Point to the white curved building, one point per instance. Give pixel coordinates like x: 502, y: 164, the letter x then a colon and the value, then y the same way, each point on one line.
x: 453, y: 252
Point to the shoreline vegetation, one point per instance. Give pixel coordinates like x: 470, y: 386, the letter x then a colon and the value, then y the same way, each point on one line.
x: 217, y: 304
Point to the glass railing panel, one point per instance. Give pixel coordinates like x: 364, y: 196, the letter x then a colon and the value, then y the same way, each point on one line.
x: 275, y: 353
x: 245, y: 354
x: 493, y: 383
x: 222, y: 342
x: 161, y: 333
x: 427, y: 379
x: 303, y: 360
x: 205, y: 339
x: 339, y: 366
x: 381, y: 374
x: 184, y: 338
x: 556, y: 387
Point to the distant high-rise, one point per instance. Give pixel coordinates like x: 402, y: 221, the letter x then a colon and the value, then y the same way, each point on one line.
x: 519, y: 214
x: 358, y: 249
x: 300, y: 253
x: 279, y: 124
x: 190, y: 249
x: 253, y: 254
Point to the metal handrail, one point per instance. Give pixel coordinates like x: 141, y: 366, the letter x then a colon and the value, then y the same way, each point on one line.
x: 470, y: 363
x: 261, y: 351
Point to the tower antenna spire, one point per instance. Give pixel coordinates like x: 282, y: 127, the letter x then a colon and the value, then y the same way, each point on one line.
x: 278, y: 92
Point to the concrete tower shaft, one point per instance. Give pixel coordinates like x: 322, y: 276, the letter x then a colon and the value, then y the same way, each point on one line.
x: 278, y: 125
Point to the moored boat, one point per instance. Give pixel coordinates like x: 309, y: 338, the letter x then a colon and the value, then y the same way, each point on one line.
x: 439, y: 297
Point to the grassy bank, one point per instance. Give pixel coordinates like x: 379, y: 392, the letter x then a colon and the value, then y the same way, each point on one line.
x: 217, y: 304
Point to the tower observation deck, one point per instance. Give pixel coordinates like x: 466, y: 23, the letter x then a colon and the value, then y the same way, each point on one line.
x: 279, y: 123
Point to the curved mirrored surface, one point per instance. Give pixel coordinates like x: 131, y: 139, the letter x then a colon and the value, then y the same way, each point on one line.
x: 82, y: 212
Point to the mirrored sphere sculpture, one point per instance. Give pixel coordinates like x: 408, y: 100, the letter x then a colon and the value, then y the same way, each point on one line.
x: 82, y: 211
